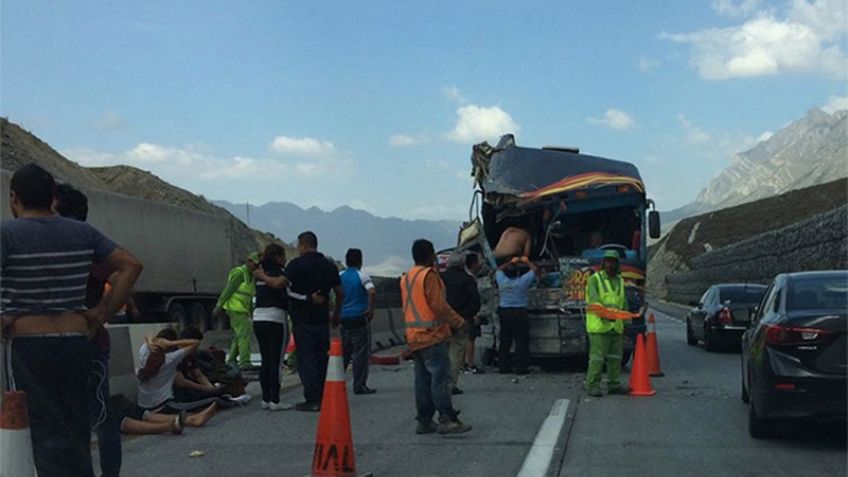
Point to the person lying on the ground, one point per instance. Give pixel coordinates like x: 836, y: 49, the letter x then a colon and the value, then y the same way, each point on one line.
x: 137, y: 421
x: 513, y: 242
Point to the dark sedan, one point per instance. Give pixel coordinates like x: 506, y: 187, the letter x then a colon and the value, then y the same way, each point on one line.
x: 722, y: 314
x: 794, y: 356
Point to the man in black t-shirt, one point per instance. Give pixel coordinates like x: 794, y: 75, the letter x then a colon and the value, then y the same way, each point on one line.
x: 309, y: 273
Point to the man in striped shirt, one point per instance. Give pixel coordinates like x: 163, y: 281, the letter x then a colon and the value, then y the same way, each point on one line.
x: 45, y: 262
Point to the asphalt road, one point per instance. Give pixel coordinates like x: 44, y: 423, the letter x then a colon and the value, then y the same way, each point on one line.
x: 695, y: 425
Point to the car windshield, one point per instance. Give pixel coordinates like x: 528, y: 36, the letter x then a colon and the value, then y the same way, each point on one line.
x: 819, y: 293
x: 749, y: 294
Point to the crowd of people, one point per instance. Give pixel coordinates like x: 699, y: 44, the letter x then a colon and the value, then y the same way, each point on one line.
x: 63, y: 280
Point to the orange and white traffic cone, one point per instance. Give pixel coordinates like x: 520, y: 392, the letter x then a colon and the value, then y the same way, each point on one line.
x: 653, y: 350
x: 640, y: 382
x: 15, y: 441
x: 334, y: 455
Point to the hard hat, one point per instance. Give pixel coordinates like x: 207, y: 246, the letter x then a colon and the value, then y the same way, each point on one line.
x: 254, y: 257
x: 612, y: 254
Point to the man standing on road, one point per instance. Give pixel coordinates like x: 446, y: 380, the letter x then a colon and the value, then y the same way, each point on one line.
x: 429, y: 320
x: 237, y: 300
x: 463, y: 297
x: 356, y: 315
x: 605, y: 291
x: 513, y: 289
x: 312, y: 273
x: 44, y: 268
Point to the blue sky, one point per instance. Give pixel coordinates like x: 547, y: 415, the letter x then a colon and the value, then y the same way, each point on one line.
x: 376, y: 104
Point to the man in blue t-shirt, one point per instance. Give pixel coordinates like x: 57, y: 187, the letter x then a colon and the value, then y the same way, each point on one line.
x: 512, y: 313
x: 357, y: 312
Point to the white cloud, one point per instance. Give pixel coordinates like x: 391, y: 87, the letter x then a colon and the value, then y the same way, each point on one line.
x: 302, y: 146
x: 615, y: 119
x: 646, y: 65
x: 180, y: 163
x: 835, y: 103
x: 765, y: 136
x: 694, y: 134
x: 174, y: 162
x: 405, y: 140
x: 806, y: 37
x: 736, y: 9
x: 475, y: 123
x: 454, y: 94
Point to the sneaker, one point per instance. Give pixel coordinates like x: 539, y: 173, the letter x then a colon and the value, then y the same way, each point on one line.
x: 428, y: 427
x: 307, y: 406
x: 620, y: 390
x: 241, y: 400
x: 365, y: 390
x: 594, y: 392
x: 465, y: 369
x: 456, y: 391
x: 452, y: 426
x: 265, y: 404
x: 476, y: 370
x: 278, y: 406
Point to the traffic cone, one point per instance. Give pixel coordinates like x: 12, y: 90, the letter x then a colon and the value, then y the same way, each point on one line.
x: 640, y: 382
x: 334, y: 455
x: 653, y: 351
x: 15, y: 441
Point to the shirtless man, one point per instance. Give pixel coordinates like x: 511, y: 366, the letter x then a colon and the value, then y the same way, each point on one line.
x: 513, y: 242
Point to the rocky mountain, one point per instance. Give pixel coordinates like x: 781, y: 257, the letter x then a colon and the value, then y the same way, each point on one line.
x: 694, y: 236
x: 812, y: 150
x: 385, y: 241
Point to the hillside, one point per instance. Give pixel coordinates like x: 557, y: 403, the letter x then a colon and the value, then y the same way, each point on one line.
x: 19, y: 147
x: 385, y: 242
x: 812, y: 150
x: 693, y: 236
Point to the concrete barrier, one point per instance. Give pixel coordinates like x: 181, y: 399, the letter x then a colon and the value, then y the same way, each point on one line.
x: 123, y: 355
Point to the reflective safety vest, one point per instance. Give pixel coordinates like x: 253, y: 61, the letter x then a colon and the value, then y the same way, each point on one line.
x: 422, y: 324
x: 610, y: 298
x: 241, y: 300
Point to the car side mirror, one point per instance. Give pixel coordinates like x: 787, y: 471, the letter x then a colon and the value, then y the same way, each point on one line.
x: 654, y: 224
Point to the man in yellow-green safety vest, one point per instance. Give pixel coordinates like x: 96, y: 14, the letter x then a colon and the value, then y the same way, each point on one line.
x: 605, y: 326
x: 237, y: 301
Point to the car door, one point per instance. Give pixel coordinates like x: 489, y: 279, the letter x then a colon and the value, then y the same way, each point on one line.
x: 756, y: 346
x: 698, y: 313
x: 755, y: 322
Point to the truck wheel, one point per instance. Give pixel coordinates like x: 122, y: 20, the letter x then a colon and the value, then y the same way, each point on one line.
x: 197, y: 315
x: 217, y: 323
x: 177, y: 314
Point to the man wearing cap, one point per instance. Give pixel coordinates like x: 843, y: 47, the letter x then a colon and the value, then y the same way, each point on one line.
x: 605, y: 327
x: 237, y: 301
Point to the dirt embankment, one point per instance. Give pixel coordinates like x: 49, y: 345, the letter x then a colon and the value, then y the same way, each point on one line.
x: 697, y: 235
x: 19, y: 147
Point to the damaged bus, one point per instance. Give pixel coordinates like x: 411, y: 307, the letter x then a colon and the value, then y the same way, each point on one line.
x: 574, y: 207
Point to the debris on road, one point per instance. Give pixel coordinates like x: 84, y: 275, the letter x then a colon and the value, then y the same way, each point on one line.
x: 197, y: 453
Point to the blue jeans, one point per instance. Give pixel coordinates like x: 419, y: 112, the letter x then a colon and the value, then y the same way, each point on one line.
x: 54, y: 372
x: 103, y: 420
x: 432, y: 383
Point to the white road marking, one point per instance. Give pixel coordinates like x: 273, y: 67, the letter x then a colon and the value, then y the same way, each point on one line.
x: 539, y: 457
x: 666, y: 315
